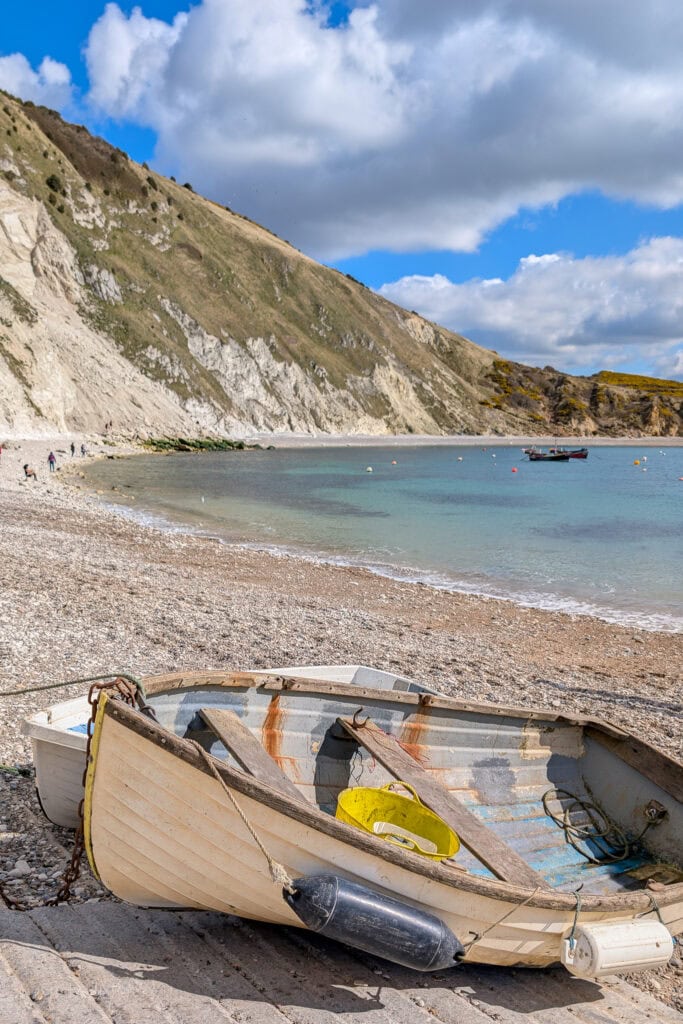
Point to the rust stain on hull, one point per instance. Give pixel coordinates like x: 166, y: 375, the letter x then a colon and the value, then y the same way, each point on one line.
x: 272, y: 734
x: 412, y: 737
x: 271, y: 730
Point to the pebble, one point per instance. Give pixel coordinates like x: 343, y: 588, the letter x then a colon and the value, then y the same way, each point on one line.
x: 20, y: 869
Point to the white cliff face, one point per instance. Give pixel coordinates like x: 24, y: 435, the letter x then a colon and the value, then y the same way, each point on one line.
x: 56, y: 371
x: 103, y: 284
x: 267, y: 393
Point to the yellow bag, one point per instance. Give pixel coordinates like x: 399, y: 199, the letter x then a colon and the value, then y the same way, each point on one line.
x: 402, y: 820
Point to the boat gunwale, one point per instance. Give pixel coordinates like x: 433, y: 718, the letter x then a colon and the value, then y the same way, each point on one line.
x: 283, y: 681
x: 309, y: 815
x: 665, y: 771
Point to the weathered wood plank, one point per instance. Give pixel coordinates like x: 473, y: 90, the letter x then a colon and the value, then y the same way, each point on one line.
x: 247, y: 751
x: 482, y: 841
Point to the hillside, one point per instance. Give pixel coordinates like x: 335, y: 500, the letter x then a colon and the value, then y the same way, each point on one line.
x: 127, y: 297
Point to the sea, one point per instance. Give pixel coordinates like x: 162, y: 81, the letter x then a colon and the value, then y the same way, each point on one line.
x: 601, y: 537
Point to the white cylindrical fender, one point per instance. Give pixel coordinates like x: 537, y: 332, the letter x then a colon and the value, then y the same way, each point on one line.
x: 617, y: 947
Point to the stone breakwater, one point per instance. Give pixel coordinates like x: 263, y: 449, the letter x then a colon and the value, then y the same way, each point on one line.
x: 83, y: 590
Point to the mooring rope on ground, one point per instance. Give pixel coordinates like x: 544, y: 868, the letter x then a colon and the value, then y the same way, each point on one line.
x: 72, y: 682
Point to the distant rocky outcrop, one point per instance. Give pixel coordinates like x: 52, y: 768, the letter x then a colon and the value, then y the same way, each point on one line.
x: 126, y: 297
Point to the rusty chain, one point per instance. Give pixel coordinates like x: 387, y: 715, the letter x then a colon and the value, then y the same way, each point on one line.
x: 130, y: 692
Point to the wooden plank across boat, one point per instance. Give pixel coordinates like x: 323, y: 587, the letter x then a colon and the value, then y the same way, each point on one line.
x: 162, y: 829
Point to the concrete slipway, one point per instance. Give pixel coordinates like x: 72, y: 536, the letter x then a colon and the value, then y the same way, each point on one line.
x: 97, y: 963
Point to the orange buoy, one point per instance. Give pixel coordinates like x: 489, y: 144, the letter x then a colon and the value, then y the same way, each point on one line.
x: 636, y: 462
x: 514, y: 469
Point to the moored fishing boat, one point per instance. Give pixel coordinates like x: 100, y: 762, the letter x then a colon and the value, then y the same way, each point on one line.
x: 59, y: 734
x: 195, y: 809
x: 554, y: 456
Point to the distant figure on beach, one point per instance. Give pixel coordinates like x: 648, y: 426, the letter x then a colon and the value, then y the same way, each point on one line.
x: 83, y: 450
x: 51, y: 460
x: 73, y: 449
x: 28, y: 472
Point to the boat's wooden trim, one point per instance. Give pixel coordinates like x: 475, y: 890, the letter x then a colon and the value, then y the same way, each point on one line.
x: 312, y: 817
x: 650, y: 762
x: 247, y: 751
x: 294, y: 684
x: 472, y: 832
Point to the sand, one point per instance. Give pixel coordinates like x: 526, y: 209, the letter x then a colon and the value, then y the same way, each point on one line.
x: 85, y: 590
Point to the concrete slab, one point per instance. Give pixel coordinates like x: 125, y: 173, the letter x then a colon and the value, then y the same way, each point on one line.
x: 16, y: 1006
x: 107, y: 963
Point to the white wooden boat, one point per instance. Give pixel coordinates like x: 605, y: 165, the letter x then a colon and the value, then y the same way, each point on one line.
x: 59, y: 734
x: 162, y: 828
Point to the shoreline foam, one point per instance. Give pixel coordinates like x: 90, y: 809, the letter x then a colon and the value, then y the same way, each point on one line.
x: 651, y: 619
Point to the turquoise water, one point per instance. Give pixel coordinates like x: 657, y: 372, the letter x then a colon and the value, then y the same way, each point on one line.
x: 600, y: 536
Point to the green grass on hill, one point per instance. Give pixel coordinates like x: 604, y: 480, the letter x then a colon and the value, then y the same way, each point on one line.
x: 652, y: 385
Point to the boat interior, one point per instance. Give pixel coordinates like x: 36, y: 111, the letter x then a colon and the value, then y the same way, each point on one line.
x: 527, y: 792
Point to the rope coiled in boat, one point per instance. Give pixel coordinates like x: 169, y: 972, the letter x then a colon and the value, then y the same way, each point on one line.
x: 610, y: 838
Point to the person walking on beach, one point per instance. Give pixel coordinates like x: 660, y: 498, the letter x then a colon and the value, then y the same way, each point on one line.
x: 51, y: 460
x: 73, y: 449
x: 83, y: 450
x: 28, y: 472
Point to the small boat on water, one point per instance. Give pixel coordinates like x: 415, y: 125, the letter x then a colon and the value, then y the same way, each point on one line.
x: 553, y: 456
x: 59, y: 735
x: 569, y: 828
x: 556, y: 454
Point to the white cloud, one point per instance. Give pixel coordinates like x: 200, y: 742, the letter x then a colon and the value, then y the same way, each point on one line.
x: 411, y: 126
x: 50, y: 84
x: 573, y: 313
x: 126, y: 59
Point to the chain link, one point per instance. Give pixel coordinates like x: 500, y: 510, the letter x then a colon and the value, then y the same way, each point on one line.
x: 129, y: 691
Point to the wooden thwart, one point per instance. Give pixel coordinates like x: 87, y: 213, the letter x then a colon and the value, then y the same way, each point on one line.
x: 482, y: 841
x: 247, y: 751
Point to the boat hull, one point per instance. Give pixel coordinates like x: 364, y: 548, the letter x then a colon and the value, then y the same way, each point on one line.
x: 161, y: 831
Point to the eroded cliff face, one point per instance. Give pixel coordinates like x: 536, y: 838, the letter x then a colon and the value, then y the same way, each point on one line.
x: 57, y: 371
x: 124, y: 297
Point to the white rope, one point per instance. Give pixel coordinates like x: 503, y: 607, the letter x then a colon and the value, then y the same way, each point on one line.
x: 278, y: 872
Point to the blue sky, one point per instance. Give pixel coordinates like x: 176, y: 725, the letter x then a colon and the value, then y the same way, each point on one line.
x: 510, y: 168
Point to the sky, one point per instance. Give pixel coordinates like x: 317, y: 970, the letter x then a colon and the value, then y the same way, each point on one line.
x: 512, y: 169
